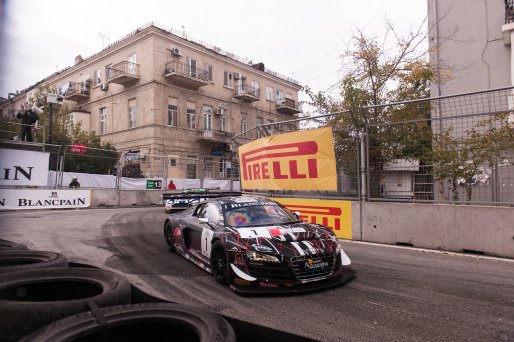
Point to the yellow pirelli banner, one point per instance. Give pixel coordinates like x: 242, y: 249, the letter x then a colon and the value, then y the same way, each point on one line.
x: 337, y: 215
x: 303, y: 160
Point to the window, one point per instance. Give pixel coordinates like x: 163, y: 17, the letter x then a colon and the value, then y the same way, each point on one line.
x: 109, y: 72
x: 258, y: 123
x: 132, y: 113
x: 280, y: 96
x: 191, y: 167
x: 269, y: 93
x: 223, y: 123
x: 207, y: 118
x: 191, y: 115
x: 103, y: 120
x: 207, y: 167
x: 172, y: 112
x: 255, y: 89
x: 71, y: 123
x: 132, y: 66
x: 191, y: 67
x: 244, y: 123
x: 173, y: 162
x: 97, y: 77
x: 228, y: 79
x: 208, y: 68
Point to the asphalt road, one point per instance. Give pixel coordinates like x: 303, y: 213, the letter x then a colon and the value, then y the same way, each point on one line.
x: 399, y: 294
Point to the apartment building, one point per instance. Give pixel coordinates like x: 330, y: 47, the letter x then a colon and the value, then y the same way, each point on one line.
x: 158, y: 92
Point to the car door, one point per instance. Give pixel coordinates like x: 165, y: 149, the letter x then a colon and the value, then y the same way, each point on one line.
x: 206, y: 217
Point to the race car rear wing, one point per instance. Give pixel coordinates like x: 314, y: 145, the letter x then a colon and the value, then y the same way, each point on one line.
x: 192, y: 195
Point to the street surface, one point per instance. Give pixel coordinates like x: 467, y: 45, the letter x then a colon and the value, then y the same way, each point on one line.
x: 399, y: 294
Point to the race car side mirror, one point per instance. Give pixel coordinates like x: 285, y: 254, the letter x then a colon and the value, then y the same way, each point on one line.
x: 204, y: 219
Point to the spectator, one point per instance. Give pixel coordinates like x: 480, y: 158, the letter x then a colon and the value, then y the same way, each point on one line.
x: 171, y: 186
x: 74, y: 183
x: 28, y: 118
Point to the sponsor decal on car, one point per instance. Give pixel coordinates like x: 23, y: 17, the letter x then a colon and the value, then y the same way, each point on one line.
x: 261, y: 248
x: 311, y: 264
x: 240, y: 281
x: 268, y: 284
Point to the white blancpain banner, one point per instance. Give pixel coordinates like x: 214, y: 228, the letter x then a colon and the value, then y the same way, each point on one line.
x: 23, y: 168
x: 44, y: 199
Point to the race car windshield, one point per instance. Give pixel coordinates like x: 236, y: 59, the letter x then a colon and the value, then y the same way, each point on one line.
x: 259, y: 215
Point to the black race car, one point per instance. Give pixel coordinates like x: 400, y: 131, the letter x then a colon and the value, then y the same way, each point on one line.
x: 257, y: 245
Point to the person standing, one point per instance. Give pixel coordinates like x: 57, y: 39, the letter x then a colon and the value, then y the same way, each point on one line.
x: 171, y: 185
x: 74, y: 182
x: 28, y: 118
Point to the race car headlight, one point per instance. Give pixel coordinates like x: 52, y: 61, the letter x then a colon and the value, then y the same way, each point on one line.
x: 259, y: 257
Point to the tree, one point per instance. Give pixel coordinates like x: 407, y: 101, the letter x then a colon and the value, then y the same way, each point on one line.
x: 454, y: 159
x: 376, y: 75
x: 98, y: 157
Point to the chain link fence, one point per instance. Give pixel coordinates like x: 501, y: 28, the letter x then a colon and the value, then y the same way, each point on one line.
x: 453, y: 149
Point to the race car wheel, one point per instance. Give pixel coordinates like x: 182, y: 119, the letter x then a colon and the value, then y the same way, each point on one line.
x: 138, y: 322
x: 19, y: 260
x: 168, y: 231
x: 32, y: 299
x: 219, y: 262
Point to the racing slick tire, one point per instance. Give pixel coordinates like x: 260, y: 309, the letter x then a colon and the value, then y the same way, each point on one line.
x: 6, y: 245
x: 31, y: 299
x: 168, y: 231
x: 20, y: 260
x: 219, y: 262
x: 139, y: 322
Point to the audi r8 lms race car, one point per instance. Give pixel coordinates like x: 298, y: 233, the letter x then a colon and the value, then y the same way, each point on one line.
x: 257, y: 245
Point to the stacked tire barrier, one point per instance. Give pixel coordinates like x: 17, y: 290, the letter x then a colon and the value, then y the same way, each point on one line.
x: 45, y: 298
x: 42, y: 299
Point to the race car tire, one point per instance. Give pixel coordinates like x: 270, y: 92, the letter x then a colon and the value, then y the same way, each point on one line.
x: 31, y: 299
x: 6, y: 245
x: 139, y: 322
x: 219, y: 262
x: 168, y: 230
x: 19, y: 260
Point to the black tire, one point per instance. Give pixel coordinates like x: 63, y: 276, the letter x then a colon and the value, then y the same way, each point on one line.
x: 9, y: 245
x: 168, y: 230
x: 219, y: 262
x: 139, y: 322
x: 11, y: 261
x: 32, y: 299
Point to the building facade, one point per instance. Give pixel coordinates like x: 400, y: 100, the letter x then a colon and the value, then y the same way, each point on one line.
x: 157, y: 92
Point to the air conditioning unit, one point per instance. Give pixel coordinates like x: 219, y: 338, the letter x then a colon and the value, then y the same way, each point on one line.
x: 220, y: 111
x: 175, y: 51
x: 237, y: 75
x: 104, y: 86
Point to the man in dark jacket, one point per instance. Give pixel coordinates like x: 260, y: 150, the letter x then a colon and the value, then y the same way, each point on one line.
x: 28, y: 118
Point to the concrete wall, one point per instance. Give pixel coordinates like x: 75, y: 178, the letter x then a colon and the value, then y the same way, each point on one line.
x: 483, y: 229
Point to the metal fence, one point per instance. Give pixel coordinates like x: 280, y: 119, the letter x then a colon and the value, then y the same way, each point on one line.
x: 452, y: 149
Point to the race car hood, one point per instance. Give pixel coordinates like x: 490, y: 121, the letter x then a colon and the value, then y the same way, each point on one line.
x: 290, y: 240
x: 291, y: 232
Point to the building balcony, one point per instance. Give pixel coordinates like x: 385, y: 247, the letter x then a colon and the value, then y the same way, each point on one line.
x: 123, y: 73
x: 185, y: 75
x: 78, y: 91
x: 247, y: 93
x: 212, y: 136
x: 288, y: 106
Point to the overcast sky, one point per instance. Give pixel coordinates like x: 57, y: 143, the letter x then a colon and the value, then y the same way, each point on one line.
x: 302, y: 39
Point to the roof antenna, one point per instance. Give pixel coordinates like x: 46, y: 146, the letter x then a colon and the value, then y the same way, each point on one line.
x: 183, y: 31
x: 103, y: 40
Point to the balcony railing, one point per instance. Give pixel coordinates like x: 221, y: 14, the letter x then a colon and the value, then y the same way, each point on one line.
x: 186, y: 75
x: 288, y: 106
x: 208, y: 135
x: 77, y: 91
x: 123, y: 73
x: 247, y: 93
